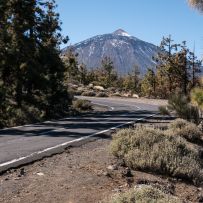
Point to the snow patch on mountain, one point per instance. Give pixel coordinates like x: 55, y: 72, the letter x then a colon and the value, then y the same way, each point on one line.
x: 122, y: 33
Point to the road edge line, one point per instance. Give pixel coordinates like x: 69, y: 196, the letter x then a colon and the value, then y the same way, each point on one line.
x: 36, y: 156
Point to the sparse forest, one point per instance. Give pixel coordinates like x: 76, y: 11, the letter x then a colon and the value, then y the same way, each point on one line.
x: 177, y: 71
x: 35, y: 77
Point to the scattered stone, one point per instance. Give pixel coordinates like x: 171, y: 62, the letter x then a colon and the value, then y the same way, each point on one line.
x: 126, y: 172
x: 90, y: 85
x: 99, y: 88
x: 112, y: 167
x: 22, y: 172
x: 199, y: 189
x: 136, y: 96
x: 117, y: 190
x: 123, y: 186
x: 127, y: 95
x: 200, y: 198
x: 106, y: 174
x: 40, y: 174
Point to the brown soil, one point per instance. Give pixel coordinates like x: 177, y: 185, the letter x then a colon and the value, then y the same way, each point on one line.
x: 82, y: 175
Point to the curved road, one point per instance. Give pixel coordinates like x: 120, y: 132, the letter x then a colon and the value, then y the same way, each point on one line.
x: 22, y: 144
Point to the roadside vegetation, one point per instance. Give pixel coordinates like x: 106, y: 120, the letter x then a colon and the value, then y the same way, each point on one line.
x: 162, y: 152
x: 146, y: 194
x: 82, y: 105
x: 175, y: 151
x: 37, y: 81
x: 32, y: 73
x: 185, y: 129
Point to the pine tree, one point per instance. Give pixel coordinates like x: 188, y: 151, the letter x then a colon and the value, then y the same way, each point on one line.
x: 195, y: 67
x: 71, y: 66
x: 108, y: 68
x: 182, y: 73
x: 53, y: 68
x: 31, y: 70
x: 148, y: 85
x: 83, y: 74
x: 165, y: 60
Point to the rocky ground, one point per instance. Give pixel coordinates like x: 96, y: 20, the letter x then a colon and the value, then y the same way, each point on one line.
x: 86, y: 174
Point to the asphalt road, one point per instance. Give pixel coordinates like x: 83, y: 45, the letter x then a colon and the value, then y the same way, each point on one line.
x: 19, y: 142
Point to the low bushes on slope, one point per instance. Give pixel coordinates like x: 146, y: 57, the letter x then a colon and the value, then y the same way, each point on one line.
x: 82, y: 105
x: 89, y: 94
x: 183, y: 128
x: 154, y: 150
x: 181, y: 106
x: 144, y: 194
x: 102, y: 94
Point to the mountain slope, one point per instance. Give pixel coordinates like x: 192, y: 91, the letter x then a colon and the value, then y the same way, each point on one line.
x: 123, y: 49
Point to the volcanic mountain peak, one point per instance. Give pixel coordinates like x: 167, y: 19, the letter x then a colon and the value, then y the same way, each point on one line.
x: 121, y: 32
x: 125, y: 50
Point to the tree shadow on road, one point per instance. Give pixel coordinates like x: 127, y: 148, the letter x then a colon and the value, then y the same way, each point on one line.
x: 78, y: 126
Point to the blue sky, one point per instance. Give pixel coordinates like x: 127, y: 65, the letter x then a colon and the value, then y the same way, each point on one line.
x: 148, y: 20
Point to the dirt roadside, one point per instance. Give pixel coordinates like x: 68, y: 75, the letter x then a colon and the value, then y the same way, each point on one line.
x: 86, y: 174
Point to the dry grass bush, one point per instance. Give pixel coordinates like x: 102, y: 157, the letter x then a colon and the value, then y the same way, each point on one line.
x: 144, y: 194
x: 102, y: 94
x: 20, y: 116
x: 181, y: 106
x: 117, y: 94
x: 89, y: 94
x: 153, y: 150
x: 185, y: 129
x: 163, y: 110
x: 82, y: 105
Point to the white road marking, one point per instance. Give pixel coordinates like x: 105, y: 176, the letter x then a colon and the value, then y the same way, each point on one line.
x: 112, y: 108
x: 72, y: 141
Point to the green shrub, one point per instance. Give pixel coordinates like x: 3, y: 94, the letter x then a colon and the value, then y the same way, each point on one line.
x: 178, y: 123
x: 126, y: 139
x: 82, y: 105
x: 197, y: 97
x: 117, y: 94
x: 102, y: 94
x: 185, y: 129
x: 19, y: 116
x: 182, y: 108
x: 144, y: 194
x: 154, y: 150
x: 163, y: 110
x: 89, y: 94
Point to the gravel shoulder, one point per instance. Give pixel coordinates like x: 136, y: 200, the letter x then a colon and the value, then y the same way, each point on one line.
x: 158, y: 102
x: 85, y: 174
